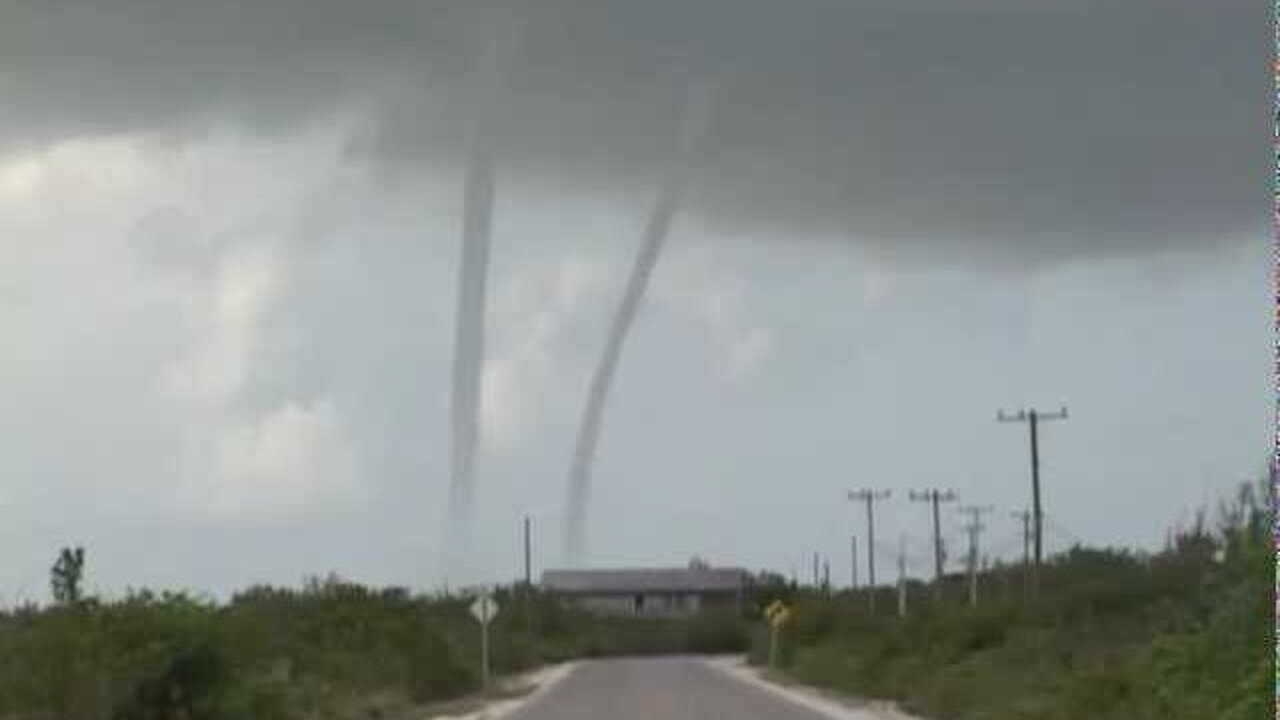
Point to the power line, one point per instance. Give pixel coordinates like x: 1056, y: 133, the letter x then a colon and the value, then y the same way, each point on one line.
x: 1033, y: 418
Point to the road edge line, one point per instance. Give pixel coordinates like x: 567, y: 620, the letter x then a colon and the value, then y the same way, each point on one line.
x: 810, y: 698
x: 543, y: 679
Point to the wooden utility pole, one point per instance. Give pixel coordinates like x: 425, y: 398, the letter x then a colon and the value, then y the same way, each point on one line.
x: 528, y: 556
x: 853, y: 562
x: 902, y: 575
x: 1033, y: 418
x: 934, y: 497
x: 528, y: 569
x: 870, y: 497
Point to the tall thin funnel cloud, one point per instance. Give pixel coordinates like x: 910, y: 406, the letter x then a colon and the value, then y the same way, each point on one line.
x: 468, y: 355
x: 693, y: 125
x: 468, y: 352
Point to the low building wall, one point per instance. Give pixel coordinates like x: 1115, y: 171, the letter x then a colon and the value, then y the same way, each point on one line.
x: 653, y: 604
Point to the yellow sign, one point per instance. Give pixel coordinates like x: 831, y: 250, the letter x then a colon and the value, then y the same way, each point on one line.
x: 772, y: 608
x: 777, y: 613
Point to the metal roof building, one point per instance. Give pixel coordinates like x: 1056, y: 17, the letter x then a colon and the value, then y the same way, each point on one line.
x: 650, y: 591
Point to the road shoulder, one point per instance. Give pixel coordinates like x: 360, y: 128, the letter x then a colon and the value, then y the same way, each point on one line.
x: 823, y: 702
x: 512, y: 694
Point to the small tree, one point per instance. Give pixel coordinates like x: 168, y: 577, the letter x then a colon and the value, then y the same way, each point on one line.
x: 66, y: 576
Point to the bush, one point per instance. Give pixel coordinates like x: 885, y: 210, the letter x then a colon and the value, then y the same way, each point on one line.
x: 434, y: 672
x: 188, y: 687
x: 1181, y: 635
x: 260, y: 699
x: 716, y: 633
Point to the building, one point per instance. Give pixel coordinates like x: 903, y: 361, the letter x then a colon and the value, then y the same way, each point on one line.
x: 656, y: 592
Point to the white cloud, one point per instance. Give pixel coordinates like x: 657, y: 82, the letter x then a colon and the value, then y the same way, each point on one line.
x: 878, y: 283
x: 242, y: 461
x: 249, y: 380
x: 97, y: 168
x: 217, y: 365
x: 501, y: 403
x: 20, y: 177
x: 695, y: 280
x: 531, y: 319
x: 749, y: 351
x: 294, y: 459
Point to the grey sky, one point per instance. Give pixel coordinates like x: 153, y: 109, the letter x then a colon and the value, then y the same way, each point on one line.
x: 229, y: 235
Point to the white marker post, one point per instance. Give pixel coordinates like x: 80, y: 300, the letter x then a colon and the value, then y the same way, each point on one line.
x: 484, y: 609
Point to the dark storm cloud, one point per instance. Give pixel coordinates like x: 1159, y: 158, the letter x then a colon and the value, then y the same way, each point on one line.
x: 1051, y: 128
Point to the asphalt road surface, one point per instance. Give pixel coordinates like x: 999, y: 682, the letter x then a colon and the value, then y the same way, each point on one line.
x: 667, y: 688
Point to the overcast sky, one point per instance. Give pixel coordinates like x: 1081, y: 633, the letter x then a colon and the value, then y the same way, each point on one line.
x: 229, y: 241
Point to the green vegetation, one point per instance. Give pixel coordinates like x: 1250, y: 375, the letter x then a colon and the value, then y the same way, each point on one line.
x: 66, y: 575
x: 1184, y: 634
x: 331, y: 649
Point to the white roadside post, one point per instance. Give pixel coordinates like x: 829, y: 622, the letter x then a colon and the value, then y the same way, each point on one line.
x: 484, y: 608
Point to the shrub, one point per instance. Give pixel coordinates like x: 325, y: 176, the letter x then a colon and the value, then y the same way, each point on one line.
x: 1179, y: 635
x: 434, y: 672
x: 716, y: 633
x: 188, y: 687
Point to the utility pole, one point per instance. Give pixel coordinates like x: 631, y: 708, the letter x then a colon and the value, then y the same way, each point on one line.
x: 484, y: 654
x: 815, y: 570
x: 528, y: 568
x: 870, y: 497
x: 528, y: 557
x: 935, y: 497
x: 826, y: 579
x: 853, y: 560
x: 902, y: 575
x: 1025, y: 517
x: 975, y: 527
x: 1033, y: 418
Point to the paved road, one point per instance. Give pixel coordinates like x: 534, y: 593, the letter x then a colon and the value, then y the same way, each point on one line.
x: 668, y: 688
